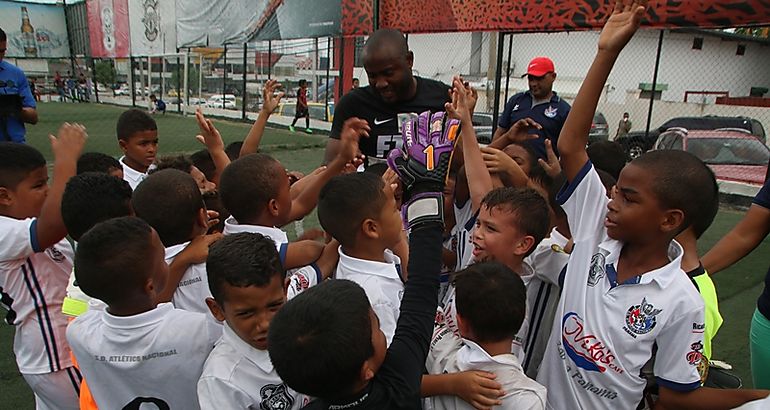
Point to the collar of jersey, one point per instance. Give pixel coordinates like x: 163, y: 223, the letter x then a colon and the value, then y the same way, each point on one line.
x: 131, y: 173
x: 173, y: 250
x: 140, y: 320
x: 259, y: 357
x: 277, y: 235
x: 554, y: 98
x: 662, y: 276
x: 473, y: 356
x: 349, y: 264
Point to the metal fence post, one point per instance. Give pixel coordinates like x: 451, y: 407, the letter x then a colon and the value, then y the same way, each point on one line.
x: 224, y: 79
x: 499, y: 65
x: 654, y: 84
x: 245, y: 94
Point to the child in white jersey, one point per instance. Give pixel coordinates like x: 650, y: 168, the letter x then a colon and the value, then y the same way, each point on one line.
x: 35, y: 261
x: 171, y: 202
x: 249, y: 286
x: 138, y: 139
x: 625, y: 294
x: 136, y: 350
x: 491, y: 304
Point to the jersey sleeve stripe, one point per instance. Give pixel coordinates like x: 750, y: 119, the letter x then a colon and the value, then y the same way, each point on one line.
x: 682, y: 387
x: 471, y: 222
x: 27, y: 282
x: 319, y: 275
x: 566, y: 191
x: 282, y: 253
x: 33, y: 236
x: 44, y: 306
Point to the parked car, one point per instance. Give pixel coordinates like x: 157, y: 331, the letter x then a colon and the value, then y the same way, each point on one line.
x: 482, y: 124
x: 735, y: 156
x: 316, y: 110
x: 600, y: 130
x: 636, y: 143
x: 219, y: 101
x: 124, y: 89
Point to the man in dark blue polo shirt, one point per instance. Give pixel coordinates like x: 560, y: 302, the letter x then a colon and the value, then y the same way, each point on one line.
x: 539, y: 103
x: 17, y: 105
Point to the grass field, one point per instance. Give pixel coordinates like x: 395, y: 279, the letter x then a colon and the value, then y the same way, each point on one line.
x: 738, y: 287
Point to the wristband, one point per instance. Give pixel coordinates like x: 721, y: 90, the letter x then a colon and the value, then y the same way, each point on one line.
x: 423, y: 208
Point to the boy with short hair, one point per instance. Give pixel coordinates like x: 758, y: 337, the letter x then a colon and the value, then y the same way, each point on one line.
x: 138, y: 139
x: 255, y: 190
x: 248, y: 285
x: 491, y: 305
x: 327, y: 341
x: 625, y: 293
x: 157, y: 105
x: 184, y: 164
x: 136, y: 351
x: 99, y: 162
x: 35, y: 261
x: 360, y: 211
x: 171, y: 202
x: 301, y: 109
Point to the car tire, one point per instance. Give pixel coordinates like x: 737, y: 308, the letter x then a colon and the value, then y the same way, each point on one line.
x: 635, y: 151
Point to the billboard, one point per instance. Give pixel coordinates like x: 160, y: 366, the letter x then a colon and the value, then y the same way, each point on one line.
x: 108, y: 28
x: 429, y: 16
x: 34, y: 30
x: 152, y: 26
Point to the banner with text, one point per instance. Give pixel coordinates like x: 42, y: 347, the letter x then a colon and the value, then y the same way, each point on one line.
x: 152, y: 26
x: 108, y: 28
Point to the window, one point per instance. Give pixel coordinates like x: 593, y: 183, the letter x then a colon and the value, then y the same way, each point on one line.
x: 741, y: 49
x: 697, y: 43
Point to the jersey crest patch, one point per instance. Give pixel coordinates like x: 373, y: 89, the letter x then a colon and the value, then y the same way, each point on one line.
x: 516, y: 107
x: 551, y: 112
x: 597, y: 270
x: 55, y: 255
x: 275, y: 397
x: 641, y: 319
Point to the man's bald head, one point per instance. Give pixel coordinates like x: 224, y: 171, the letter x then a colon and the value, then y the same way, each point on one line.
x: 386, y: 42
x: 388, y: 64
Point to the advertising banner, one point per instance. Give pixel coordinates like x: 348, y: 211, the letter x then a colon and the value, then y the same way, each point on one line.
x: 34, y: 30
x: 152, y: 26
x: 108, y: 28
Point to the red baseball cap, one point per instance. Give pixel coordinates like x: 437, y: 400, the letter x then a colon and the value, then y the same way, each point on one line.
x: 540, y: 66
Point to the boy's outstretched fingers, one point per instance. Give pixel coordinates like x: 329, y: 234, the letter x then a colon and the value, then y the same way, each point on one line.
x: 552, y: 166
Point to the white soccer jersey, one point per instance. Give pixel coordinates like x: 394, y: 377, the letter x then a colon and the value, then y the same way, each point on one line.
x: 547, y: 261
x: 132, y: 176
x: 450, y: 354
x: 237, y: 376
x: 382, y: 283
x: 155, y: 357
x: 33, y: 284
x: 300, y: 279
x: 462, y: 233
x: 604, y: 332
x: 193, y: 288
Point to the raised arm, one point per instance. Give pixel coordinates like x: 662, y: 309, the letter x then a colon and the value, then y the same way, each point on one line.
x: 618, y: 30
x: 66, y: 147
x: 306, y: 201
x: 741, y: 240
x: 480, y: 182
x: 270, y: 99
x: 212, y: 139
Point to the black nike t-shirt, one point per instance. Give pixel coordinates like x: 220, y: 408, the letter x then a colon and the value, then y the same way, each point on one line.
x: 385, y: 119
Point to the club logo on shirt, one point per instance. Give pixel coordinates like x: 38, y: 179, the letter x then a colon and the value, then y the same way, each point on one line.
x: 695, y: 354
x: 551, y: 112
x: 516, y: 107
x: 302, y: 283
x: 598, y: 263
x: 641, y: 319
x: 55, y: 255
x: 586, y: 350
x: 698, y: 327
x: 275, y: 397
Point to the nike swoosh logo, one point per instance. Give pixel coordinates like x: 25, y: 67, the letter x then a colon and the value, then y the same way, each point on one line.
x: 378, y: 122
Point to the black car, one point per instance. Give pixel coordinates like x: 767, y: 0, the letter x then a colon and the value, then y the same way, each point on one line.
x: 636, y: 143
x: 600, y: 130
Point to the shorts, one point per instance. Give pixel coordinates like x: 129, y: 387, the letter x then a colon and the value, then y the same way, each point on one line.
x: 302, y: 112
x: 57, y: 390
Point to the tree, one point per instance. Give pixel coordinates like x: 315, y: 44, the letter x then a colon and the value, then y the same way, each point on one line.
x: 192, y: 78
x: 104, y: 72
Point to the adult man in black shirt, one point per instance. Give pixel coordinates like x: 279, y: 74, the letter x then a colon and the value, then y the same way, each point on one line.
x: 392, y: 94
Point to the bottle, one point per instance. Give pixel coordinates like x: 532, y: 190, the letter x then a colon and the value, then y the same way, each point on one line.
x: 28, y: 35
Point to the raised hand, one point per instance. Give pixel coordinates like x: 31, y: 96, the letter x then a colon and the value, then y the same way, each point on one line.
x: 463, y: 101
x: 552, y: 166
x: 68, y: 143
x: 622, y: 24
x: 271, y: 99
x: 520, y: 131
x: 209, y: 136
x: 353, y: 129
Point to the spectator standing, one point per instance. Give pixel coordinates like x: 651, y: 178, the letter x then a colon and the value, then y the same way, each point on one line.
x: 624, y: 126
x: 17, y: 105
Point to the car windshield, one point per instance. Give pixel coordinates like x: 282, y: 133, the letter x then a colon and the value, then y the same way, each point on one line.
x: 729, y: 151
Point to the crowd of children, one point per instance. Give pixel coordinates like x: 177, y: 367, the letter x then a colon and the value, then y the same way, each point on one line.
x: 457, y: 277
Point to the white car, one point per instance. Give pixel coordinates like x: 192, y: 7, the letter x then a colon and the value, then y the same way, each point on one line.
x: 123, y: 90
x: 218, y: 101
